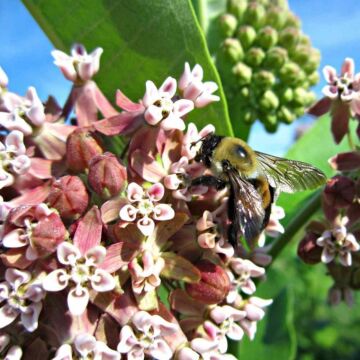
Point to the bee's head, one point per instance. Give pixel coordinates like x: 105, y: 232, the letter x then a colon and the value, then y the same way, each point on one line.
x: 208, y: 145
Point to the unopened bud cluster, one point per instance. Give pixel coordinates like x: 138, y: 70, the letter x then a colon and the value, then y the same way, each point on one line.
x: 266, y: 62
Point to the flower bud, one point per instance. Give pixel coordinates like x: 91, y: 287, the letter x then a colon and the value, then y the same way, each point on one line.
x: 233, y: 50
x: 300, y: 96
x: 313, y: 78
x: 308, y: 251
x: 339, y: 192
x: 289, y: 37
x: 255, y: 14
x: 264, y: 80
x: 243, y: 73
x: 267, y: 37
x: 213, y: 286
x: 106, y: 175
x: 301, y: 54
x: 246, y: 35
x: 228, y: 24
x: 255, y: 56
x: 291, y: 74
x: 81, y: 147
x: 237, y: 7
x: 276, y: 17
x: 275, y: 58
x: 285, y: 115
x: 313, y: 61
x: 69, y: 197
x: 293, y: 21
x: 269, y: 101
x: 247, y: 116
x: 286, y: 94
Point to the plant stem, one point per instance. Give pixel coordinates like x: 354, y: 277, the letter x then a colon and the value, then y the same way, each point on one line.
x: 201, y: 12
x: 295, y: 224
x: 350, y: 140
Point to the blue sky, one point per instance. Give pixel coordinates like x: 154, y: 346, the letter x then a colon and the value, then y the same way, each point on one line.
x: 333, y: 25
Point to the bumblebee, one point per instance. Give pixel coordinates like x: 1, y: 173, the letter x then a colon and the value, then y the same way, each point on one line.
x: 254, y: 179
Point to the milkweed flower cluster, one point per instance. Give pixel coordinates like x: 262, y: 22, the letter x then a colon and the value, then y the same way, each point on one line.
x: 335, y: 240
x: 110, y: 256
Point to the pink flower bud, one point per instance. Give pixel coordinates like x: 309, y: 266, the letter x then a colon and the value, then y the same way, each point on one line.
x: 68, y: 195
x: 81, y: 147
x: 106, y: 174
x: 213, y: 286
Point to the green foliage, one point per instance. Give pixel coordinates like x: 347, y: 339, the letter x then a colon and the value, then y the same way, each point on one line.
x: 140, y: 43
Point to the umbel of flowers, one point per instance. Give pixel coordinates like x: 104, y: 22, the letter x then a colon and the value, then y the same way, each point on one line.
x: 267, y: 64
x: 109, y: 256
x: 335, y: 240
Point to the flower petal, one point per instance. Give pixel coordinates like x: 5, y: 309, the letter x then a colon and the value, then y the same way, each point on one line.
x: 102, y: 281
x: 146, y: 226
x: 134, y: 192
x: 7, y: 315
x: 128, y: 213
x: 30, y: 317
x: 168, y: 87
x: 156, y: 192
x: 57, y: 280
x: 95, y: 255
x: 77, y: 300
x: 68, y: 253
x: 163, y: 212
x: 85, y: 344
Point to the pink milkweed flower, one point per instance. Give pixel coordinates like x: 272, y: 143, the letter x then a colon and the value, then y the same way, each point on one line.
x: 20, y: 295
x: 81, y: 271
x: 342, y: 98
x: 79, y: 66
x: 4, y: 80
x: 22, y: 112
x: 145, y: 272
x: 87, y: 347
x: 36, y: 228
x: 254, y: 308
x: 242, y: 270
x: 161, y: 108
x: 190, y: 142
x: 145, y: 337
x: 194, y: 89
x: 14, y: 160
x: 143, y: 207
x: 338, y: 242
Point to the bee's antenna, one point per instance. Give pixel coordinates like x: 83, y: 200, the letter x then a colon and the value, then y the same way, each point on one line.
x: 195, y: 142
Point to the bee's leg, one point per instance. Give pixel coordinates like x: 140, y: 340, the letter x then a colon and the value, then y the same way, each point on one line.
x: 233, y: 233
x: 208, y: 180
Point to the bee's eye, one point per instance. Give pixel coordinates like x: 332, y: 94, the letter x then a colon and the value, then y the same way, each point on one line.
x: 240, y: 151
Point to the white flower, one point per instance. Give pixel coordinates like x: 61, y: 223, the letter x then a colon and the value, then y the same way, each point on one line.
x: 147, y: 339
x: 20, y: 296
x: 80, y: 65
x: 82, y: 272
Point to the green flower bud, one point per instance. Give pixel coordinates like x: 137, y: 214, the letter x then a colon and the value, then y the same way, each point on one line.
x: 263, y: 80
x: 246, y: 34
x: 300, y: 96
x: 254, y: 56
x: 228, y: 24
x: 300, y: 54
x: 275, y: 58
x: 276, y: 17
x: 289, y: 37
x: 233, y: 50
x: 285, y: 115
x: 243, y: 73
x: 267, y: 37
x: 304, y: 40
x: 313, y: 61
x: 255, y: 14
x: 291, y: 74
x: 244, y: 93
x: 269, y: 101
x: 247, y: 115
x: 299, y: 111
x: 293, y: 20
x: 282, y: 4
x: 237, y: 7
x: 286, y: 95
x: 313, y: 78
x: 270, y: 122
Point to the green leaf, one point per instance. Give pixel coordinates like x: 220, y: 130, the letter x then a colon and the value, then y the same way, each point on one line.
x: 142, y: 40
x: 275, y: 337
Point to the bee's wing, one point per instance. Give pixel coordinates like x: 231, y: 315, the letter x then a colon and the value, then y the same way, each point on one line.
x: 289, y: 175
x: 245, y: 207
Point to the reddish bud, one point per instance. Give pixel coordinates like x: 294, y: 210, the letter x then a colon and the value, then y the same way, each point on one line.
x: 106, y: 174
x: 68, y: 195
x: 213, y: 286
x: 339, y: 192
x: 81, y: 147
x: 308, y: 250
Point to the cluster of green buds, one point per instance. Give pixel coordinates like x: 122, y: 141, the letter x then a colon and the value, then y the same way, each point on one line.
x: 266, y: 62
